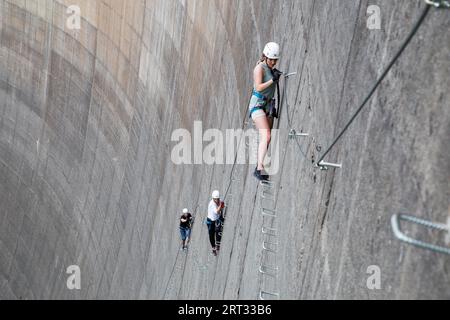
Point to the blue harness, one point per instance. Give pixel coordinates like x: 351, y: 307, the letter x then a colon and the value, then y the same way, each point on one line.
x: 259, y: 96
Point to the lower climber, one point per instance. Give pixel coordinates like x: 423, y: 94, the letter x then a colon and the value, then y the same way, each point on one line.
x: 185, y: 228
x: 214, y: 221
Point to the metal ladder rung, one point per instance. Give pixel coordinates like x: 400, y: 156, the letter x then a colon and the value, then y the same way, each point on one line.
x: 262, y: 292
x: 266, y: 183
x: 418, y: 243
x: 269, y: 231
x: 268, y: 212
x: 265, y: 248
x: 266, y: 204
x: 267, y: 201
x: 266, y: 270
x: 267, y: 195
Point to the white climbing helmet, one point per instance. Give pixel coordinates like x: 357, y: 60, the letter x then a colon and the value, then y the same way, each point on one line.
x: 216, y: 194
x: 185, y: 210
x: 272, y: 50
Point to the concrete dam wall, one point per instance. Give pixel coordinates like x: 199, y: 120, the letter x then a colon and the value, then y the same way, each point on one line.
x: 87, y: 179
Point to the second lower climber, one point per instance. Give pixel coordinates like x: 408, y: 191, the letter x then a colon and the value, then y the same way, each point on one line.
x: 215, y: 221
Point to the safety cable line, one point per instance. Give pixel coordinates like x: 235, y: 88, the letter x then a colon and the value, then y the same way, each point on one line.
x: 171, y: 273
x: 236, y: 155
x: 289, y: 119
x: 308, y: 42
x: 372, y: 91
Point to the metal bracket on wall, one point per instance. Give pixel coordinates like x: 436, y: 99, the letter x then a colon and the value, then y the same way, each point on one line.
x: 324, y: 165
x: 418, y: 243
x: 442, y: 4
x: 290, y: 74
x: 267, y: 293
x: 294, y: 134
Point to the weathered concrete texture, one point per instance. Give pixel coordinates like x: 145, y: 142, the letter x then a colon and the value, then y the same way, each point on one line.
x: 86, y: 176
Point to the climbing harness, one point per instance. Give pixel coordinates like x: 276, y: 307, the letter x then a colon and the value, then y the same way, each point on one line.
x: 395, y: 222
x: 260, y: 106
x: 272, y: 109
x: 259, y: 95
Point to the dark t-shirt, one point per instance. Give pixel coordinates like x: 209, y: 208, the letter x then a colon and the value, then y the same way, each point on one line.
x: 188, y: 218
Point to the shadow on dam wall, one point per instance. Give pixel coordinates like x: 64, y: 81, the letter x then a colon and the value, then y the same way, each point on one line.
x: 86, y: 177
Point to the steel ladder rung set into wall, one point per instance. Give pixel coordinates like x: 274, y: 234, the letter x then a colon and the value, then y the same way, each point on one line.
x: 268, y: 271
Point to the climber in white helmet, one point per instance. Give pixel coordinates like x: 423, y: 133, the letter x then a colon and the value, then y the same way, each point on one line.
x: 185, y: 228
x: 215, y: 220
x: 262, y: 106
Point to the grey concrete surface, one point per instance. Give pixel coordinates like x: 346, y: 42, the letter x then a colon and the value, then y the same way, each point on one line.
x: 86, y: 176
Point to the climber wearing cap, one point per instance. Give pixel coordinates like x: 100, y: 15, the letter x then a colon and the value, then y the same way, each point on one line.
x: 261, y: 107
x: 185, y: 228
x: 214, y: 218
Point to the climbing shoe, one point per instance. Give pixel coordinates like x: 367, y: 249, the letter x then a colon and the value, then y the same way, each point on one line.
x: 258, y: 175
